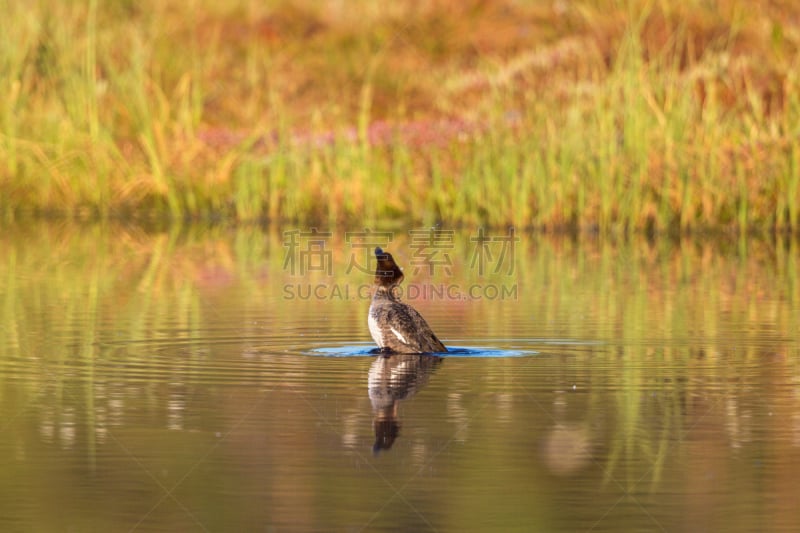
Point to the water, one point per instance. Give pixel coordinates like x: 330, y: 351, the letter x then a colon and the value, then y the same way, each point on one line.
x: 197, y: 380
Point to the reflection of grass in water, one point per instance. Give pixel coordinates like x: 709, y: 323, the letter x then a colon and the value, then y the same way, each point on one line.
x: 85, y: 293
x: 147, y: 282
x: 590, y: 291
x: 616, y: 115
x: 681, y: 318
x: 639, y: 447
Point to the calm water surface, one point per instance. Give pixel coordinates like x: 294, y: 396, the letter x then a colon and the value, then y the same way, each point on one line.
x: 221, y: 380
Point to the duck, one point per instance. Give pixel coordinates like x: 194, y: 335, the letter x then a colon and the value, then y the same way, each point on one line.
x: 395, y: 326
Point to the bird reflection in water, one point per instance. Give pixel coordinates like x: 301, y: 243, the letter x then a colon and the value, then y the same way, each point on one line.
x: 393, y: 378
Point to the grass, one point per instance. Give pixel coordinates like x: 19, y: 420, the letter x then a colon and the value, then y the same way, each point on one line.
x: 613, y: 115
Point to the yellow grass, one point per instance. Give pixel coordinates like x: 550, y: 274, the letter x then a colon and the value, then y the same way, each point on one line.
x: 617, y: 115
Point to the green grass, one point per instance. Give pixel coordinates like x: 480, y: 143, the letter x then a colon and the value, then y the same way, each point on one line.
x: 617, y: 116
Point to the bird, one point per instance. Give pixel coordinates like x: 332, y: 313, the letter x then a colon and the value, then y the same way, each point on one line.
x: 395, y: 326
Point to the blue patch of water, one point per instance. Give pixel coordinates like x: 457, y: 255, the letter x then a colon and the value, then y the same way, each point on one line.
x: 358, y: 350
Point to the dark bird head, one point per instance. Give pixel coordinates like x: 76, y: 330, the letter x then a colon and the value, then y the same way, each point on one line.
x: 387, y: 273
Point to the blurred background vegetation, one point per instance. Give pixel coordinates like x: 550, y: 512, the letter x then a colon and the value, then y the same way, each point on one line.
x: 623, y: 115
